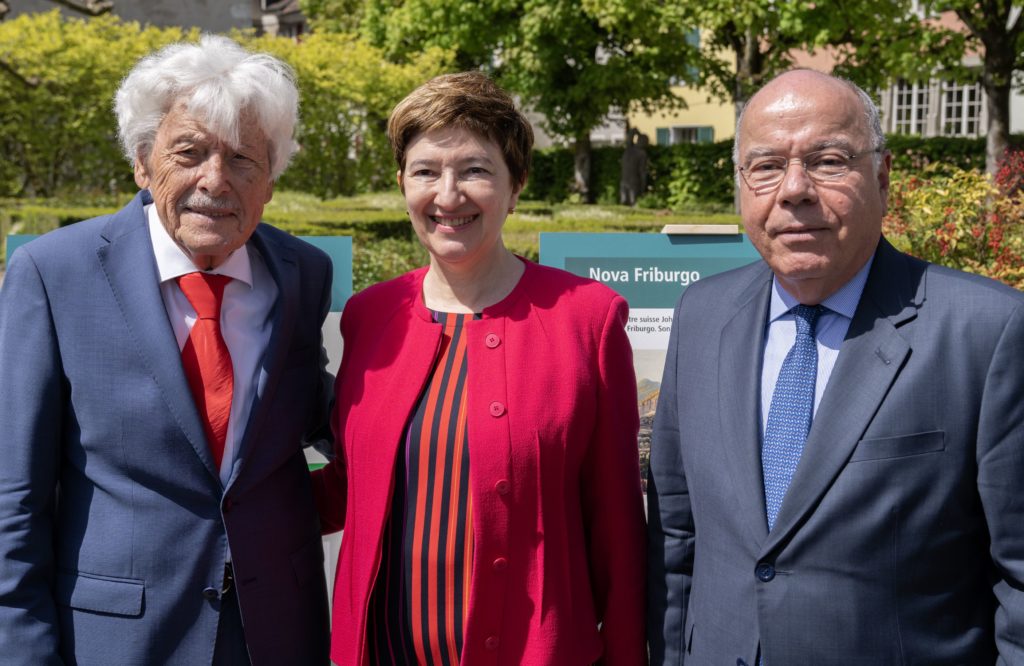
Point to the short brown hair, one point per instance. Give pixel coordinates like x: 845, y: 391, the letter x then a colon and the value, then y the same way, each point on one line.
x: 471, y: 101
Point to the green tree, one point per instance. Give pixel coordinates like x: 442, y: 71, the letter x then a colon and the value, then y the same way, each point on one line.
x: 347, y: 90
x: 874, y: 43
x: 747, y: 42
x: 57, y: 130
x: 572, y: 60
x: 332, y: 15
x: 996, y: 32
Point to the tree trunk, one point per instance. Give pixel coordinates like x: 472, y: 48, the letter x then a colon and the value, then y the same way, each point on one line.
x: 581, y: 168
x: 990, y: 23
x: 998, y: 137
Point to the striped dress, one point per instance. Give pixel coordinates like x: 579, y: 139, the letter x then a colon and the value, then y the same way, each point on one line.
x: 417, y: 610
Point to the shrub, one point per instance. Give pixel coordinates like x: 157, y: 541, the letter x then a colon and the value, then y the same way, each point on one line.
x: 347, y: 89
x: 57, y: 129
x: 550, y: 176
x: 962, y: 218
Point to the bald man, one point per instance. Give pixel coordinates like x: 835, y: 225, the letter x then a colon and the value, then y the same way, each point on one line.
x: 837, y: 466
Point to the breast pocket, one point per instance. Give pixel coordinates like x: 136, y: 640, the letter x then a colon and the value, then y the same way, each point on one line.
x: 901, y: 446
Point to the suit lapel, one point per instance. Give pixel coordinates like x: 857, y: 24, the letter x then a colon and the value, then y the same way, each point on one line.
x: 130, y: 268
x: 869, y: 361
x: 284, y: 269
x: 739, y: 396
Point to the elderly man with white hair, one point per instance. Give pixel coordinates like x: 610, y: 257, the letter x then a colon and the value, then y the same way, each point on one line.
x: 159, y: 370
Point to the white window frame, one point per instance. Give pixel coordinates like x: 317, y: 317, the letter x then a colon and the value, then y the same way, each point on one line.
x: 959, y: 115
x: 910, y: 118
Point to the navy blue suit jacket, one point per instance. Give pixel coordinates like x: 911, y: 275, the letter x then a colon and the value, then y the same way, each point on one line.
x: 113, y: 519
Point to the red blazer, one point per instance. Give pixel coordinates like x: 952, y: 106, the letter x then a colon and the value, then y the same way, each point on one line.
x: 559, y: 562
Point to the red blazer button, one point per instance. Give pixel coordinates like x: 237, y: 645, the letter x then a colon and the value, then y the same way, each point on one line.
x: 492, y: 340
x: 491, y: 643
x: 503, y: 487
x: 499, y: 564
x: 497, y: 409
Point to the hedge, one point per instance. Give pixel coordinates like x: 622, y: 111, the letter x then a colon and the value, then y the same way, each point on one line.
x: 695, y: 175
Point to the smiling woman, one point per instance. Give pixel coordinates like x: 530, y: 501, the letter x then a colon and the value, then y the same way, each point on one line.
x: 485, y: 425
x: 458, y: 192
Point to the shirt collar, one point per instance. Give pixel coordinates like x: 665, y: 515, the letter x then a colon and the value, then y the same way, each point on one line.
x: 172, y: 262
x: 843, y: 302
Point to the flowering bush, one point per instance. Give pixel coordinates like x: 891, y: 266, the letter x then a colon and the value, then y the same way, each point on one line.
x: 962, y: 219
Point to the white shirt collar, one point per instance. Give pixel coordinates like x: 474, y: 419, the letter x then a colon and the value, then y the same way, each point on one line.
x: 843, y: 302
x: 172, y: 262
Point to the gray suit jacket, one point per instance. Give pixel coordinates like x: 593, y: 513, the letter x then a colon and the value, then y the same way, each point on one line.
x: 901, y: 538
x: 114, y: 524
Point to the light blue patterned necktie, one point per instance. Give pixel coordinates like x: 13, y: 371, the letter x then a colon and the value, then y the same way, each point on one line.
x: 789, y: 417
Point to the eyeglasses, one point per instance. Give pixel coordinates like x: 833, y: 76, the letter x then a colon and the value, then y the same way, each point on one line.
x: 764, y: 174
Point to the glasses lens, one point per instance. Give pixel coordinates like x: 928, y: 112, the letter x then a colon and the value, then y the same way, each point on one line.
x: 766, y: 171
x: 827, y: 165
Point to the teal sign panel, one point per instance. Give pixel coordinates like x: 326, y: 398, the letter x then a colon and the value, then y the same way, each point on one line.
x: 338, y: 248
x: 649, y: 270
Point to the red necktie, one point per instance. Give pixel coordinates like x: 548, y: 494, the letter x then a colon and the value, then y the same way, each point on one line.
x: 206, y: 358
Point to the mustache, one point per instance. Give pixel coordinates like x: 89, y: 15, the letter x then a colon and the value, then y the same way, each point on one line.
x: 201, y: 201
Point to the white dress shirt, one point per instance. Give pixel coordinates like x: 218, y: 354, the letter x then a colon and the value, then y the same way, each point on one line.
x: 244, y: 318
x: 780, y: 334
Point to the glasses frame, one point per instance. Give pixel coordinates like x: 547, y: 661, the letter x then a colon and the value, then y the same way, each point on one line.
x: 764, y: 189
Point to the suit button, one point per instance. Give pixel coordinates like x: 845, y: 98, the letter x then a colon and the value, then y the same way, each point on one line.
x: 228, y: 504
x: 491, y: 643
x: 503, y: 487
x: 211, y: 593
x: 499, y: 564
x: 497, y: 409
x: 765, y: 572
x: 492, y: 340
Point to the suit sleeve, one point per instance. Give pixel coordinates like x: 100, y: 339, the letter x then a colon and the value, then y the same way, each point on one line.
x: 32, y: 403
x: 613, y: 501
x: 318, y: 432
x: 670, y: 527
x: 330, y: 483
x: 1001, y: 483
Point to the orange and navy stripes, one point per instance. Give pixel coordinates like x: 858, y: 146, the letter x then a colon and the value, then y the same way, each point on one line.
x: 418, y: 607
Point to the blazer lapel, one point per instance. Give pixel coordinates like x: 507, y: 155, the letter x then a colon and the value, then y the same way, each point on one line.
x: 130, y: 268
x: 739, y: 391
x: 283, y: 267
x: 869, y: 361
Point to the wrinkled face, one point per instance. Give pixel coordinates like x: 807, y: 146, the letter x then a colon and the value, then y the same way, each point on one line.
x: 209, y: 195
x: 814, y: 235
x: 458, y: 190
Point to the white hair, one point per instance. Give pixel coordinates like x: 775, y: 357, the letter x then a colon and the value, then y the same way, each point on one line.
x: 219, y: 81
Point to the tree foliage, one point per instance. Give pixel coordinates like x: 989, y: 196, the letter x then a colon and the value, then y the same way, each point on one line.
x: 347, y: 90
x: 995, y: 31
x: 332, y: 15
x: 747, y: 42
x: 572, y: 60
x: 58, y: 76
x: 57, y: 129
